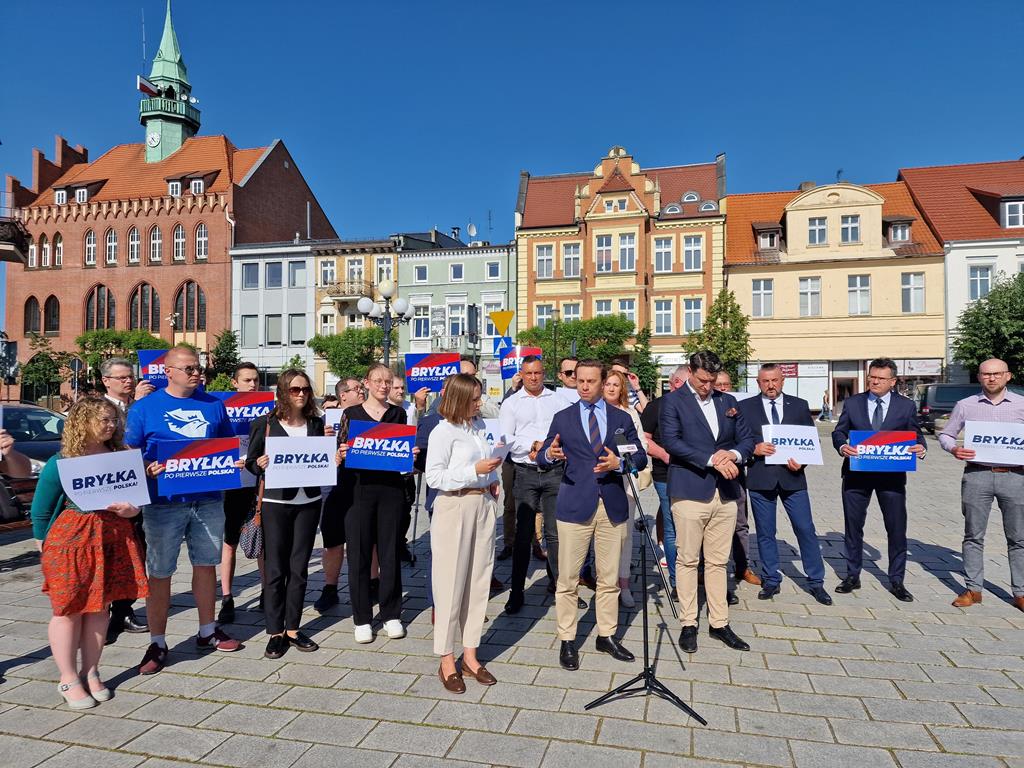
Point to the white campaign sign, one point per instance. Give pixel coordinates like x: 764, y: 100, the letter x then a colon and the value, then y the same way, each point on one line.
x: 995, y: 443
x: 97, y: 481
x: 792, y: 442
x: 299, y: 462
x: 332, y: 418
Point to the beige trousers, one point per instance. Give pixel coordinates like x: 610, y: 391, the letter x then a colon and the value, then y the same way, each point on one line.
x: 461, y: 561
x: 708, y: 525
x: 573, y: 543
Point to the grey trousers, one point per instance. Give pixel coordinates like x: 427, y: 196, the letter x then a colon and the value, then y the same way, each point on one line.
x: 978, y: 489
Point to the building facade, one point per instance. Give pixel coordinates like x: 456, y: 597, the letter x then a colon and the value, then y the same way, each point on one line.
x: 647, y: 244
x: 832, y: 277
x: 977, y: 212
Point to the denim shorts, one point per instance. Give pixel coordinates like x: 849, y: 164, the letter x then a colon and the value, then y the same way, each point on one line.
x: 199, y: 523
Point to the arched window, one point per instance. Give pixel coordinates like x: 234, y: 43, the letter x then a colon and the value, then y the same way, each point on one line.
x: 709, y: 206
x: 144, y: 309
x: 58, y: 250
x: 99, y: 308
x: 31, y: 315
x: 179, y: 243
x: 31, y: 263
x: 156, y: 244
x: 691, y: 197
x: 202, y: 241
x: 190, y: 306
x: 90, y: 247
x: 44, y: 251
x: 673, y: 209
x: 111, y: 246
x: 51, y: 316
x: 134, y: 243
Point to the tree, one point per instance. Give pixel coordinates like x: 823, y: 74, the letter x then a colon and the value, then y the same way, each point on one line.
x: 221, y: 383
x: 993, y: 327
x: 46, y: 368
x: 96, y: 346
x: 601, y: 337
x: 642, y: 363
x: 724, y: 333
x: 224, y: 355
x: 298, y: 362
x: 353, y: 351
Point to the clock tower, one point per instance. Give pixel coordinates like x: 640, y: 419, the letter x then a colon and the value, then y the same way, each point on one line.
x: 169, y: 116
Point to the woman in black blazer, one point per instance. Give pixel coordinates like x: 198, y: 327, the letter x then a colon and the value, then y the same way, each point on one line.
x: 290, y: 515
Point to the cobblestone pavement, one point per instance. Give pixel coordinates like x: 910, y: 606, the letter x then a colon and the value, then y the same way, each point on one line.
x: 867, y: 682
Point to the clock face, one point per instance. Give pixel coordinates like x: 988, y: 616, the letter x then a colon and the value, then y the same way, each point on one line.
x: 153, y: 139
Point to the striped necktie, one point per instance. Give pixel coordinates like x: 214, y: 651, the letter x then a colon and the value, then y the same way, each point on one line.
x: 595, y: 431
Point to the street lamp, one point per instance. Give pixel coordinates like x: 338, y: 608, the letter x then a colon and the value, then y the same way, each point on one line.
x: 382, y: 317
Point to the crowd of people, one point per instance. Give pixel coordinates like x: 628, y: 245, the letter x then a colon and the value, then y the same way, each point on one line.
x: 567, y: 501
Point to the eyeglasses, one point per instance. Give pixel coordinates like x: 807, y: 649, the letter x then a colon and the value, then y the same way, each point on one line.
x: 570, y: 372
x: 120, y: 378
x: 879, y: 379
x: 296, y: 391
x: 188, y: 370
x: 995, y: 375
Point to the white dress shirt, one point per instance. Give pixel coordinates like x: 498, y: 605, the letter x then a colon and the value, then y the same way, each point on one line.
x: 766, y: 403
x: 122, y: 407
x: 526, y: 418
x: 571, y: 395
x: 707, y: 407
x: 452, y: 453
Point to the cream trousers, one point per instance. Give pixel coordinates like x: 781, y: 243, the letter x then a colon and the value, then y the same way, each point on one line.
x: 708, y: 525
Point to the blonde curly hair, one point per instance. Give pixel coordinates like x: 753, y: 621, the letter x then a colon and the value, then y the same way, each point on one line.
x: 82, y: 425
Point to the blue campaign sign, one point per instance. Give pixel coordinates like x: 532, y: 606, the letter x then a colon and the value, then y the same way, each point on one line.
x: 198, y: 466
x: 883, y: 451
x: 430, y: 370
x: 151, y: 366
x: 501, y: 343
x: 245, y: 407
x: 372, y: 445
x: 512, y: 359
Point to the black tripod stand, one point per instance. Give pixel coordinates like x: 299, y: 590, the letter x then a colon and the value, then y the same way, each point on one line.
x: 646, y: 682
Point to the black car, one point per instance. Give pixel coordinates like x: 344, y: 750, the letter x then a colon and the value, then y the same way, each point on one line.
x: 936, y: 401
x: 37, y: 432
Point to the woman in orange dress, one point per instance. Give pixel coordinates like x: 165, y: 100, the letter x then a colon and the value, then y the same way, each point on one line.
x: 89, y: 558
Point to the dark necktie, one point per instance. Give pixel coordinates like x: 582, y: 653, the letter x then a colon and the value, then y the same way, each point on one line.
x: 775, y: 413
x: 595, y: 431
x: 876, y: 417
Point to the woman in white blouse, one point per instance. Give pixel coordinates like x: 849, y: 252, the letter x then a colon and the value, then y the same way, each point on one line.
x: 462, y: 529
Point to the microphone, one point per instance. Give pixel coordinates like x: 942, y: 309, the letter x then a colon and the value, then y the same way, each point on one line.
x: 625, y: 449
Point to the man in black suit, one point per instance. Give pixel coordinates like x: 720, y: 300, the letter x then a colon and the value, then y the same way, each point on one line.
x: 768, y: 483
x: 880, y: 408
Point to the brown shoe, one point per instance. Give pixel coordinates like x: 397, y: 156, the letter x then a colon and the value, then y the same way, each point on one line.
x: 453, y: 683
x: 967, y: 599
x: 1018, y: 603
x: 539, y: 553
x: 751, y: 578
x: 481, y: 675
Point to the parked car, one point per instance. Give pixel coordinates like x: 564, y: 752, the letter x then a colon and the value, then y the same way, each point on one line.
x: 37, y: 432
x: 936, y: 401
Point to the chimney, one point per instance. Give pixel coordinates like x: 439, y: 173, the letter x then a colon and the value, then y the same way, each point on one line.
x: 805, y: 185
x: 720, y: 175
x: 455, y: 233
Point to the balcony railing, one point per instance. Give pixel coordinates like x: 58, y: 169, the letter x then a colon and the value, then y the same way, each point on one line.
x: 174, y: 106
x: 346, y: 290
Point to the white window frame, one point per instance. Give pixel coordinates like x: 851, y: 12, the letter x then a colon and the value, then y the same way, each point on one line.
x: 202, y: 241
x: 673, y: 209
x: 602, y: 308
x: 81, y: 195
x: 1015, y: 214
x: 266, y: 275
x: 197, y: 186
x: 490, y: 331
x: 90, y: 248
x: 768, y: 241
x: 691, y: 197
x: 979, y: 281
x: 858, y: 290
x: 250, y: 267
x: 327, y: 271
x: 31, y: 263
x: 266, y: 331
x: 497, y: 270
x: 664, y: 254
x: 297, y: 321
x: 627, y: 308
x: 627, y: 252
x: 44, y: 252
x: 58, y: 250
x: 462, y: 272
x: 354, y: 269
x: 384, y: 269
x: 416, y: 273
x: 294, y: 269
x: 460, y: 317
x: 693, y: 253
x: 817, y: 230
x: 60, y: 197
x: 544, y: 314
x: 762, y: 297
x: 544, y: 257
x: 809, y: 289
x: 912, y: 296
x: 156, y: 245
x: 609, y: 206
x: 899, y: 232
x: 849, y: 229
x: 328, y: 323
x: 622, y: 203
x: 664, y: 310
x: 134, y: 245
x: 174, y: 188
x: 570, y: 260
x: 569, y: 316
x: 246, y: 340
x: 420, y: 312
x: 110, y: 246
x: 179, y: 241
x: 693, y: 315
x: 603, y: 253
x: 708, y: 206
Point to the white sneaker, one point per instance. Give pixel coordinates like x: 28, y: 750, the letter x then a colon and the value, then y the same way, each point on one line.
x: 394, y: 629
x: 626, y: 598
x: 364, y: 633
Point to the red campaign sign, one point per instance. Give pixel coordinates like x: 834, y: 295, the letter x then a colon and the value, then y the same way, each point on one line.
x: 788, y: 369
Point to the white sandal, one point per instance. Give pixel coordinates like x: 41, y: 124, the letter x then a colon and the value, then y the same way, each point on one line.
x: 85, y: 703
x: 103, y: 694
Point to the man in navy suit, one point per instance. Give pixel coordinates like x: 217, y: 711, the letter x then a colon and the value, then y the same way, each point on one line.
x: 708, y: 440
x: 768, y: 483
x: 880, y: 408
x: 591, y: 506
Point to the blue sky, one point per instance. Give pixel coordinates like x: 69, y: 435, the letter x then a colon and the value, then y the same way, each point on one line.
x: 409, y: 114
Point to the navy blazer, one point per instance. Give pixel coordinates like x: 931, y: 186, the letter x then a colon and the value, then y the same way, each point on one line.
x: 901, y: 416
x: 686, y: 436
x: 581, y: 487
x: 770, y: 477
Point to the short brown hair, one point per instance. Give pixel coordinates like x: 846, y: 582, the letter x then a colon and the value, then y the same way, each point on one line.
x: 460, y: 393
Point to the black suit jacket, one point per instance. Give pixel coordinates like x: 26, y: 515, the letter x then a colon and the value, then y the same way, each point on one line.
x: 258, y: 447
x: 769, y: 477
x: 901, y: 417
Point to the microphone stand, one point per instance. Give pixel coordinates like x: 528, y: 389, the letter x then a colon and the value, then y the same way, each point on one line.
x: 646, y: 682
x: 415, y: 517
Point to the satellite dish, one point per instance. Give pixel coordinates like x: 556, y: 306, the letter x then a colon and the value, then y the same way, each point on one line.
x: 471, y: 229
x: 193, y: 100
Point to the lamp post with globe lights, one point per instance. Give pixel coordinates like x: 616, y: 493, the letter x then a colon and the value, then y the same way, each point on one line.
x: 382, y: 317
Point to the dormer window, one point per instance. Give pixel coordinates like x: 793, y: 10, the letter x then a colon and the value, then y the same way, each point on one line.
x: 622, y: 204
x: 174, y: 188
x: 82, y: 195
x: 673, y: 209
x: 768, y: 241
x: 899, y: 232
x: 197, y: 186
x: 60, y: 197
x: 1015, y: 213
x: 691, y: 197
x: 609, y: 206
x: 709, y: 206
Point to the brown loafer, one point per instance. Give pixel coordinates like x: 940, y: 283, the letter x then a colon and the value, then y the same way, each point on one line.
x: 453, y: 683
x: 751, y: 578
x: 967, y: 599
x: 481, y: 675
x: 1018, y: 603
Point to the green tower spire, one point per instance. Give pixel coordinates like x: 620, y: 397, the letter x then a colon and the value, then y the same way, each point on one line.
x: 170, y: 117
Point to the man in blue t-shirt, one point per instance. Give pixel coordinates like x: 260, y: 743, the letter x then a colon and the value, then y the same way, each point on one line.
x: 179, y: 412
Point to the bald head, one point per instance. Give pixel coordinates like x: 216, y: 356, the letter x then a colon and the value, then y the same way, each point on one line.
x: 994, y: 374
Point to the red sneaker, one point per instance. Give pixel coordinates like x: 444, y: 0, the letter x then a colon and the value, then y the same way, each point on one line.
x: 154, y: 660
x: 218, y: 641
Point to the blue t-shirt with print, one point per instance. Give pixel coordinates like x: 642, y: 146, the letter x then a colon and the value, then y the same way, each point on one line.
x: 160, y: 416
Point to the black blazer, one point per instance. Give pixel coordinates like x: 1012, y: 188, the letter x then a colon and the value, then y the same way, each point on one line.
x: 901, y: 416
x: 769, y: 477
x: 258, y: 447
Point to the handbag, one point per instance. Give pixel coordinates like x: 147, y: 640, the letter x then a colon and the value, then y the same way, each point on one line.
x: 250, y: 538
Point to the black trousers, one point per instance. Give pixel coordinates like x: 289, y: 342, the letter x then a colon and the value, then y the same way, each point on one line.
x: 891, y: 493
x: 375, y: 519
x: 534, y: 490
x: 288, y: 534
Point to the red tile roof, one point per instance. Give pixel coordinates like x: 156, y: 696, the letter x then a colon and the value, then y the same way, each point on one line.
x: 944, y: 194
x: 126, y: 175
x: 616, y: 183
x: 743, y: 211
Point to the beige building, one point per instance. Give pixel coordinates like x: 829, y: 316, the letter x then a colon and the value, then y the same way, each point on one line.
x: 832, y: 277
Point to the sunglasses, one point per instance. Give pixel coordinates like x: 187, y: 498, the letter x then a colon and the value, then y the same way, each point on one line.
x: 570, y: 372
x: 296, y: 391
x: 188, y: 370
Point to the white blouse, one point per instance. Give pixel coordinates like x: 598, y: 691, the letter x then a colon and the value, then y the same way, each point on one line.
x: 452, y: 452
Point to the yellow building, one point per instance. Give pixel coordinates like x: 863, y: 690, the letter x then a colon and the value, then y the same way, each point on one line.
x: 832, y: 277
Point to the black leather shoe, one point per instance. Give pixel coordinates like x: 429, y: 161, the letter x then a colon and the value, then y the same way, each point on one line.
x: 768, y: 592
x: 688, y: 639
x: 227, y: 611
x: 900, y: 592
x: 727, y: 636
x: 819, y: 594
x: 514, y: 604
x: 276, y: 647
x: 302, y: 643
x: 133, y: 625
x: 731, y: 598
x: 614, y: 648
x: 568, y: 657
x: 505, y: 554
x: 847, y: 585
